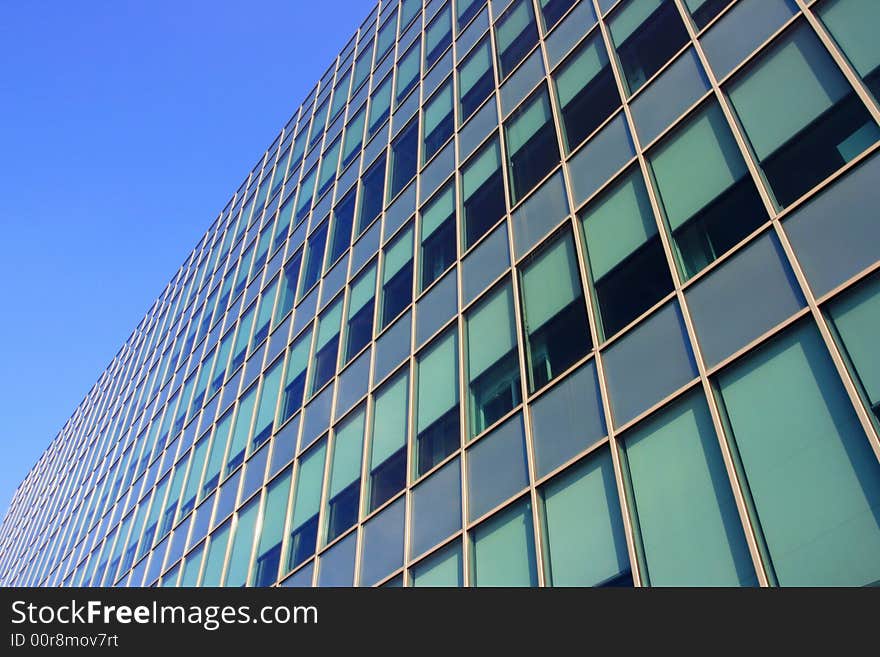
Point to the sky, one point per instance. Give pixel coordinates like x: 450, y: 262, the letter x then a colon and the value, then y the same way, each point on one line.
x: 124, y: 129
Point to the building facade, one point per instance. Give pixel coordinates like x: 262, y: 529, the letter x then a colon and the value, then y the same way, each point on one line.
x: 526, y: 292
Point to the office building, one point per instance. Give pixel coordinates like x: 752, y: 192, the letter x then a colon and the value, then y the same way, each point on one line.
x: 526, y: 292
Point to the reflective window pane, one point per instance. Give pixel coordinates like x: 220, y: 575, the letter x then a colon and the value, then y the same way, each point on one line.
x: 493, y: 365
x: 554, y: 311
x: 806, y: 129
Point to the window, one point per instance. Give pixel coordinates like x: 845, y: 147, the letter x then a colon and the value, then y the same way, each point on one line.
x: 857, y: 318
x: 240, y: 546
x: 361, y: 302
x: 801, y: 116
x: 354, y: 134
x: 504, y: 549
x: 627, y: 261
x: 306, y: 504
x: 497, y: 467
x: 853, y: 24
x: 397, y: 277
x: 214, y: 460
x: 493, y: 365
x: 688, y: 524
x: 475, y: 80
x: 340, y: 94
x: 362, y: 66
x: 436, y: 508
x: 646, y: 34
x: 264, y: 316
x: 343, y: 220
x: 515, y: 35
x: 408, y: 10
x: 216, y: 556
x: 586, y: 91
x: 265, y: 416
x: 404, y: 158
x: 709, y: 198
x: 241, y: 431
x: 242, y: 339
x: 554, y: 312
x: 466, y: 10
x: 289, y: 280
x: 295, y: 379
x: 531, y: 144
x: 388, y: 450
x: 567, y: 419
x: 328, y: 168
x: 283, y: 223
x: 703, y: 11
x: 408, y: 71
x: 553, y: 10
x: 585, y: 539
x: 318, y: 123
x: 345, y: 476
x: 442, y: 568
x: 314, y: 258
x: 482, y: 188
x: 813, y: 477
x: 304, y: 201
x: 438, y: 36
x: 380, y: 106
x: 439, y: 121
x: 437, y: 423
x: 438, y: 235
x: 385, y: 40
x: 372, y: 194
x: 326, y: 346
x: 271, y: 532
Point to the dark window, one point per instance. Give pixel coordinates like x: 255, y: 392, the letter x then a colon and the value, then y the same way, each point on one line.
x: 267, y: 566
x: 438, y: 235
x: 314, y: 258
x: 389, y: 440
x: 437, y: 419
x: 493, y: 366
x: 586, y: 91
x: 482, y: 192
x: 475, y: 79
x: 467, y: 9
x: 343, y: 510
x: 704, y: 11
x: 388, y: 478
x: 627, y: 261
x: 531, y: 144
x: 552, y: 11
x: 439, y: 120
x: 295, y: 379
x: 799, y: 149
x: 438, y: 36
x: 289, y: 281
x: 303, y: 540
x: 343, y: 219
x: 372, y: 194
x: 361, y: 302
x: 397, y: 277
x: 554, y: 311
x: 515, y: 35
x: 327, y: 346
x: 718, y: 204
x: 646, y: 36
x: 404, y: 158
x: 408, y: 71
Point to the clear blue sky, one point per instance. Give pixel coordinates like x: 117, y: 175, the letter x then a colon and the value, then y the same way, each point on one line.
x: 124, y: 128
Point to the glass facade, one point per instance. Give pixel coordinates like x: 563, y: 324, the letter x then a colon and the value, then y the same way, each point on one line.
x: 525, y: 293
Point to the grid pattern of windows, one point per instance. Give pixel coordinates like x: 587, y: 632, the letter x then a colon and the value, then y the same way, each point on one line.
x: 530, y: 292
